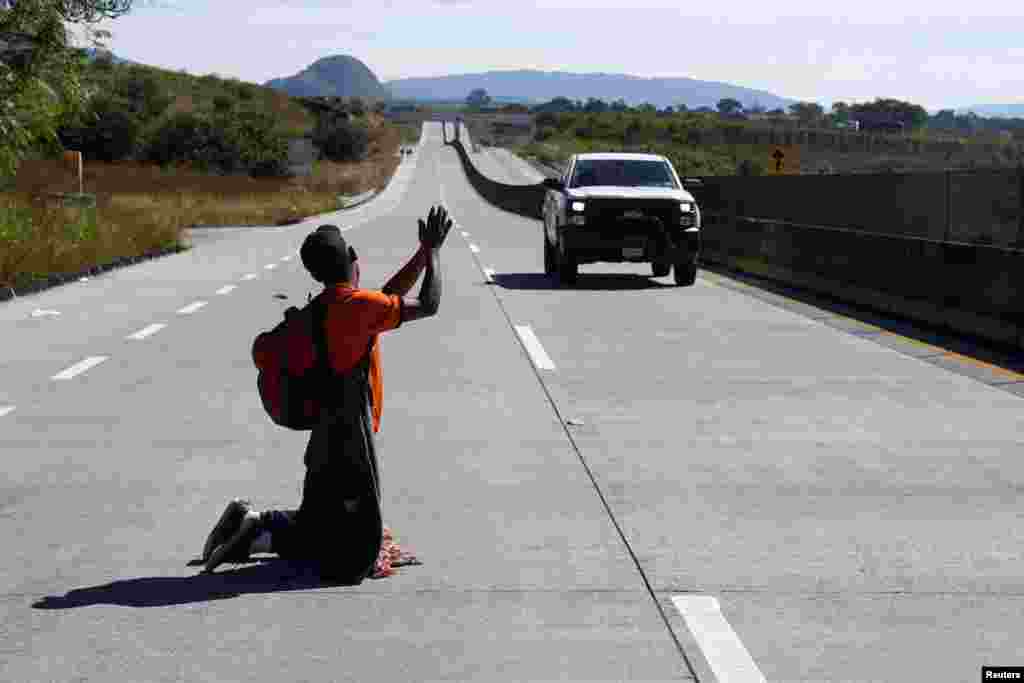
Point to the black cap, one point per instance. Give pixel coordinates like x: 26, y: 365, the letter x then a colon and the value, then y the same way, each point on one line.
x: 326, y: 255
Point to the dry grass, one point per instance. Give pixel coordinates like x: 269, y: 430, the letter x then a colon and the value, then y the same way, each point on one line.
x: 142, y: 207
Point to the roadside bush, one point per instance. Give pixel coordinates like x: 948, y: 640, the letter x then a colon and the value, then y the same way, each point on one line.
x: 188, y: 137
x: 543, y: 134
x: 144, y: 97
x: 340, y: 140
x: 108, y: 132
x: 263, y: 149
x: 229, y: 143
x: 223, y: 104
x: 546, y: 118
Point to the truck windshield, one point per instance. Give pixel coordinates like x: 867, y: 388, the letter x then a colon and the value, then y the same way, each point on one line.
x: 622, y: 173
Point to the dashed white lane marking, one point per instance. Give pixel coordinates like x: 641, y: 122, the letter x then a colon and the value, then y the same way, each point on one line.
x: 722, y: 648
x: 533, y: 346
x: 286, y: 258
x: 191, y: 308
x: 475, y: 249
x: 147, y: 331
x: 270, y: 266
x: 250, y: 276
x: 80, y: 367
x: 41, y: 313
x: 489, y: 274
x: 226, y: 289
x: 465, y: 234
x: 6, y: 410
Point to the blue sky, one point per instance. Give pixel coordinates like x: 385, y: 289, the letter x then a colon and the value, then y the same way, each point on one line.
x: 911, y: 49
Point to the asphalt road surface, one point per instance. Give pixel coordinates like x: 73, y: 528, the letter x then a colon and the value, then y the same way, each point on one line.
x: 626, y: 480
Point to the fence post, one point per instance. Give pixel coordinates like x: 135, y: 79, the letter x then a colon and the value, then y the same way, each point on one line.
x: 948, y: 191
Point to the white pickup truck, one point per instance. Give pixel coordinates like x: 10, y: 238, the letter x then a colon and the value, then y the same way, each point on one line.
x: 618, y: 207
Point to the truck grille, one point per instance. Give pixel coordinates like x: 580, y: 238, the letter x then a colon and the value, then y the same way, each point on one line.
x: 608, y: 212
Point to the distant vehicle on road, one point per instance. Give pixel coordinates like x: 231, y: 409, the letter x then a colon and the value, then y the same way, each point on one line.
x: 618, y: 207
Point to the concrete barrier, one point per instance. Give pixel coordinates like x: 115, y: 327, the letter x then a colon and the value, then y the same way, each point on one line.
x: 970, y: 289
x: 524, y: 200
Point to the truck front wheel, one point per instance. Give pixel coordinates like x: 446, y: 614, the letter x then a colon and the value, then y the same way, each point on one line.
x: 685, y: 274
x: 567, y: 266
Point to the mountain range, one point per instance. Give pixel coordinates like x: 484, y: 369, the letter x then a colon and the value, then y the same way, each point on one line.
x: 346, y: 76
x: 540, y: 86
x: 996, y: 110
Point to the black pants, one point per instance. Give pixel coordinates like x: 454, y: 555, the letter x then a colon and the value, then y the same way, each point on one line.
x: 338, y: 524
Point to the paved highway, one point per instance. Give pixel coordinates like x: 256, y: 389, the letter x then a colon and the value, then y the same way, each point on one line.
x: 584, y: 472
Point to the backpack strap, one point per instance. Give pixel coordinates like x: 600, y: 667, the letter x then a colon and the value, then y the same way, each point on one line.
x: 322, y: 365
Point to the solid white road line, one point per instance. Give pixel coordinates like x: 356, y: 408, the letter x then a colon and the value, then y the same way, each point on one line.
x: 80, y: 367
x: 226, y: 289
x: 270, y: 266
x: 191, y: 308
x: 250, y: 276
x: 489, y: 274
x: 533, y: 346
x: 725, y: 654
x: 6, y: 410
x: 475, y: 249
x: 147, y: 331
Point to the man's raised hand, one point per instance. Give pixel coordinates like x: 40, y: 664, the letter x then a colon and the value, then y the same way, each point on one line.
x: 434, y: 231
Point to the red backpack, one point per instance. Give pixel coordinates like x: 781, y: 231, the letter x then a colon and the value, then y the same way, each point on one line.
x: 291, y: 371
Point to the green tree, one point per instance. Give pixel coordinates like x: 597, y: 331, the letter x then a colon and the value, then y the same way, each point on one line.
x: 619, y: 105
x: 910, y: 114
x: 478, y: 97
x: 340, y: 140
x: 192, y: 138
x: 595, y: 106
x: 807, y: 112
x: 110, y: 131
x: 41, y: 75
x: 729, y: 105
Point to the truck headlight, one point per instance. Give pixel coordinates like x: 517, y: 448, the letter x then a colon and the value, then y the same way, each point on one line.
x: 576, y: 220
x: 686, y: 207
x: 578, y: 206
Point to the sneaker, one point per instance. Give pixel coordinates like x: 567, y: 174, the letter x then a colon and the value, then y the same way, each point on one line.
x: 236, y: 548
x: 229, y: 522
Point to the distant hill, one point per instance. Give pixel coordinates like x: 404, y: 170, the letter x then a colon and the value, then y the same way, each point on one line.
x: 540, y: 86
x: 997, y: 110
x: 338, y: 76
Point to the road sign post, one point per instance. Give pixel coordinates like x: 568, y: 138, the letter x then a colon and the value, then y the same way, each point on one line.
x: 783, y: 160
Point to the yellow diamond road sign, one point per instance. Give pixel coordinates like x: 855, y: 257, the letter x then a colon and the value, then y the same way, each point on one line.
x: 783, y: 160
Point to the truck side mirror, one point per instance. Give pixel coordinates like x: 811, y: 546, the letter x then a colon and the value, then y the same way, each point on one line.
x: 553, y: 184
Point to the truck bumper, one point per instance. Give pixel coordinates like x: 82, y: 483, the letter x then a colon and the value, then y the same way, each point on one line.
x: 592, y: 246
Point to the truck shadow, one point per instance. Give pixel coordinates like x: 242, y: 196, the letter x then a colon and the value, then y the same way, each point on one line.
x: 584, y: 281
x: 269, y: 576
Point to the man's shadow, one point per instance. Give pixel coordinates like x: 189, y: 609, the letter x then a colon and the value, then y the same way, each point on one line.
x: 270, y: 575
